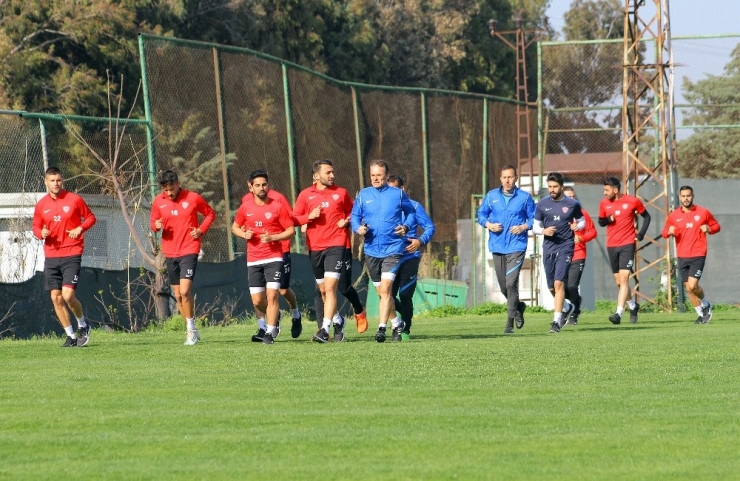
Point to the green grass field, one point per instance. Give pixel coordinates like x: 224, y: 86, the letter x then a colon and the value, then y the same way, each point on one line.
x: 656, y: 400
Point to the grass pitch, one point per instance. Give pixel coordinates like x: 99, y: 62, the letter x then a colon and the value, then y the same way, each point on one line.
x: 656, y: 400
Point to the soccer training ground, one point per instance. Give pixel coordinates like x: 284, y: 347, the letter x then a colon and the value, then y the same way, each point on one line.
x: 656, y: 400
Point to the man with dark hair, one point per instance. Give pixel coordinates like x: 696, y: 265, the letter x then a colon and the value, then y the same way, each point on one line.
x: 404, y: 285
x: 175, y: 213
x: 618, y: 213
x: 285, y: 290
x: 690, y: 225
x: 325, y: 209
x: 572, y: 290
x: 264, y: 223
x: 557, y: 217
x: 383, y: 215
x: 59, y: 219
x: 508, y: 213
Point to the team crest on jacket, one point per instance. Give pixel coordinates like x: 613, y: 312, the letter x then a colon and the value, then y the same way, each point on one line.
x: 696, y: 218
x: 565, y: 210
x: 65, y: 209
x: 185, y: 205
x: 335, y: 196
x: 268, y: 215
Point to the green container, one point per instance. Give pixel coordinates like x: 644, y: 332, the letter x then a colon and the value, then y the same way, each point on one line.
x: 430, y: 293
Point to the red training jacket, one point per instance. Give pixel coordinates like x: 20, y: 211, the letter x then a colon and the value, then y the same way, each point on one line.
x: 622, y: 231
x: 587, y: 234
x: 279, y: 198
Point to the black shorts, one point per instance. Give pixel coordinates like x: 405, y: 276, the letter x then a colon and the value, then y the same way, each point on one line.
x: 621, y: 258
x: 328, y: 263
x: 691, y: 267
x: 382, y: 268
x: 264, y: 276
x: 557, y: 265
x: 181, y: 268
x: 285, y: 278
x: 61, y: 271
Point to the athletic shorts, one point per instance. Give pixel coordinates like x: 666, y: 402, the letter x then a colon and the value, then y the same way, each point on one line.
x: 181, y: 268
x: 327, y: 263
x: 264, y: 276
x: 61, y: 271
x: 691, y: 267
x: 621, y: 258
x: 557, y: 265
x: 285, y: 278
x: 382, y: 268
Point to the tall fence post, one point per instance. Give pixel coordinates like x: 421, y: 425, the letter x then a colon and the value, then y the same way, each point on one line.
x: 425, y: 153
x: 222, y: 143
x: 541, y: 148
x: 291, y: 148
x: 44, y: 149
x: 484, y: 186
x: 358, y: 139
x: 148, y: 115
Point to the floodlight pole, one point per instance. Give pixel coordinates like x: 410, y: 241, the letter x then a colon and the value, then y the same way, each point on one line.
x: 647, y: 108
x: 519, y: 45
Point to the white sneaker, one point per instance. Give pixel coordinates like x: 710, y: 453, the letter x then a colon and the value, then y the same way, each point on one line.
x: 193, y: 338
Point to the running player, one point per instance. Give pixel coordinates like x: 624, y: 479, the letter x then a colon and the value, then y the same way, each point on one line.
x: 557, y: 217
x: 175, y: 213
x: 285, y: 290
x: 325, y: 209
x: 264, y: 223
x: 572, y: 290
x: 690, y: 225
x: 617, y: 212
x: 383, y: 215
x: 59, y: 219
x: 404, y: 285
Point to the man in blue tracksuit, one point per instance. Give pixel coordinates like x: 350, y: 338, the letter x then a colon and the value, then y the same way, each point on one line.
x: 508, y: 213
x: 383, y: 215
x: 404, y: 285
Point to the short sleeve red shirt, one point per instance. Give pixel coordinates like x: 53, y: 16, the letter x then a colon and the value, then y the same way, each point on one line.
x: 691, y: 241
x: 272, y: 218
x: 622, y: 231
x: 179, y: 217
x: 280, y: 198
x: 323, y: 232
x: 65, y: 212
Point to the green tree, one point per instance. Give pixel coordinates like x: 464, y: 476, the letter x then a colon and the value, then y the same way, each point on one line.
x: 713, y: 153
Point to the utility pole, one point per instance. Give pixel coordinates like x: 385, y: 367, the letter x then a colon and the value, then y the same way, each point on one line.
x: 523, y: 38
x: 647, y: 109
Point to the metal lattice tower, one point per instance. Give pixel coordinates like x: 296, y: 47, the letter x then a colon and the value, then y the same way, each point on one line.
x: 648, y: 123
x: 523, y: 126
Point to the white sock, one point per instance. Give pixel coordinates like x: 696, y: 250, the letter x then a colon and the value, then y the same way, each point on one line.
x: 698, y: 309
x: 272, y: 330
x: 295, y: 313
x: 631, y: 304
x: 262, y: 324
x: 567, y: 306
x: 620, y: 311
x: 338, y: 319
x: 191, y: 323
x: 81, y: 322
x: 558, y: 317
x: 70, y: 332
x: 326, y: 324
x: 381, y: 325
x: 395, y: 322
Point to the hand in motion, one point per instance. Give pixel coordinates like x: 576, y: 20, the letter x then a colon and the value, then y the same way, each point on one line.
x: 75, y: 233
